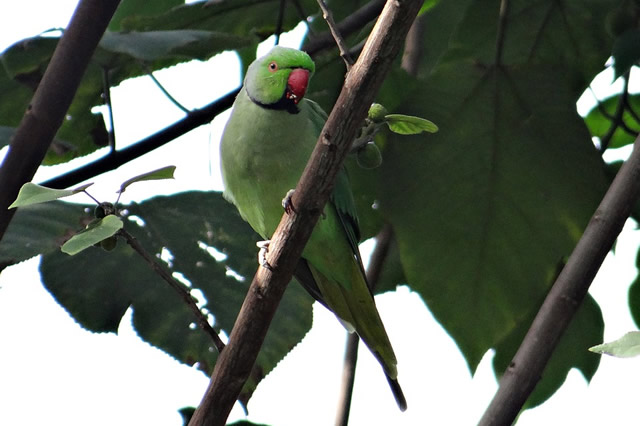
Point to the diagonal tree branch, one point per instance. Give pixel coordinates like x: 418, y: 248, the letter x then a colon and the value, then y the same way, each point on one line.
x: 565, y: 296
x: 115, y: 159
x: 52, y: 99
x: 360, y: 87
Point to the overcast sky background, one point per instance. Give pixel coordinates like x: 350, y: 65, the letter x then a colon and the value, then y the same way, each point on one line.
x: 54, y: 372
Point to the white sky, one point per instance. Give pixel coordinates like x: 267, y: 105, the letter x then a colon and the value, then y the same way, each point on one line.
x: 54, y: 372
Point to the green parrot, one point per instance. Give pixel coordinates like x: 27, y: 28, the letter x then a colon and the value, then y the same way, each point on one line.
x: 265, y: 146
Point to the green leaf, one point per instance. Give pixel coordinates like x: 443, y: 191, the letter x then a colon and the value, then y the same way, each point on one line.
x: 427, y: 6
x: 209, y: 245
x: 40, y: 228
x: 625, y: 347
x: 626, y: 52
x: 599, y: 120
x: 153, y: 46
x: 32, y: 193
x: 409, y: 125
x: 256, y: 18
x: 95, y: 232
x: 159, y: 174
x: 139, y: 8
x: 485, y: 210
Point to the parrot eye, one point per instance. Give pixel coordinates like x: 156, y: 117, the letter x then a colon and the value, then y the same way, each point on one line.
x: 273, y: 67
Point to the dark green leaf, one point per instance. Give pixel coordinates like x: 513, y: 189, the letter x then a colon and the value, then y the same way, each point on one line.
x: 486, y: 209
x: 256, y: 18
x: 139, y: 8
x: 207, y: 243
x: 600, y: 120
x: 41, y: 228
x: 626, y: 52
x: 182, y: 45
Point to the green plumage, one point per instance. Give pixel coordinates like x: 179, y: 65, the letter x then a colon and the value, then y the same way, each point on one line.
x: 265, y: 147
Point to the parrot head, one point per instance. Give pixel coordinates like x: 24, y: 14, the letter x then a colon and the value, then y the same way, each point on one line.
x: 279, y: 79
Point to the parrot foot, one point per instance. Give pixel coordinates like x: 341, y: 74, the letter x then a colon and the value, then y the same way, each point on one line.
x: 287, y: 203
x: 262, y: 253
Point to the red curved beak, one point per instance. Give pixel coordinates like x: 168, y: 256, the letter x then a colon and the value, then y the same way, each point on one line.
x: 297, y: 84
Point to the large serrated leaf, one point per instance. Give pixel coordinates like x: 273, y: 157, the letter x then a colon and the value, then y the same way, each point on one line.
x: 39, y: 229
x: 153, y: 46
x: 193, y: 230
x: 485, y: 210
x: 256, y: 18
x: 138, y: 8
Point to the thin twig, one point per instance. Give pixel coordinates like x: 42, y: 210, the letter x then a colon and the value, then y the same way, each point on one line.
x: 279, y: 21
x: 349, y: 25
x: 502, y: 27
x: 177, y: 286
x: 342, y: 46
x: 631, y: 111
x: 106, y: 91
x: 566, y: 295
x: 165, y: 91
x: 616, y: 119
x: 305, y: 18
x: 312, y: 192
x: 115, y: 159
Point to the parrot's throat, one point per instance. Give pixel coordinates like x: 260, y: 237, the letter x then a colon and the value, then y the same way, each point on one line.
x: 284, y: 104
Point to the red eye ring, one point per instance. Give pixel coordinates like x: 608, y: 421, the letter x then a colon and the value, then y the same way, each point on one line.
x: 273, y: 66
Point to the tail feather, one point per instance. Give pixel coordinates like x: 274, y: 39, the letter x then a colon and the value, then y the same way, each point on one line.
x: 397, y: 393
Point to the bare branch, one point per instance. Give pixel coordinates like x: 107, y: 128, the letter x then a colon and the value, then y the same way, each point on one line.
x: 182, y: 291
x: 565, y: 296
x: 164, y: 91
x: 312, y: 192
x: 52, y: 99
x: 348, y: 26
x: 115, y: 159
x: 335, y: 32
x: 106, y: 93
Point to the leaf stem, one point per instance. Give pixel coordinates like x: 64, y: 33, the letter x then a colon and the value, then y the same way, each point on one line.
x: 177, y: 286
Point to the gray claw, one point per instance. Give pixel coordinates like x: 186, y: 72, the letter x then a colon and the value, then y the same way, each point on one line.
x: 262, y: 253
x: 287, y: 204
